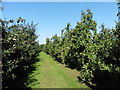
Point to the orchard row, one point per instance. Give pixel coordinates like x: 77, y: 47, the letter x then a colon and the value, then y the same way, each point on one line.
x: 94, y: 52
x: 19, y: 49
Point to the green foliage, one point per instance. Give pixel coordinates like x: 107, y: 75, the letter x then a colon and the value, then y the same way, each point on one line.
x: 95, y: 54
x: 19, y: 47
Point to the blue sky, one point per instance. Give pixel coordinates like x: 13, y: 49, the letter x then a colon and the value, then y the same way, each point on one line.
x: 59, y: 0
x: 53, y: 16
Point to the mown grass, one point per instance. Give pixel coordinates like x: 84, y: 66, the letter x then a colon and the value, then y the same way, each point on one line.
x: 51, y: 74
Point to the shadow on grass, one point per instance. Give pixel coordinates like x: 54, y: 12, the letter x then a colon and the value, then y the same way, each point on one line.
x: 21, y: 79
x: 104, y: 80
x: 72, y: 67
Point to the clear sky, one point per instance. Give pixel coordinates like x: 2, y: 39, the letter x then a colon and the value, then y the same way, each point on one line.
x: 53, y: 16
x: 59, y: 0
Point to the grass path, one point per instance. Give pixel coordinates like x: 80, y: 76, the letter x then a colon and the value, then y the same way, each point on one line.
x: 51, y: 74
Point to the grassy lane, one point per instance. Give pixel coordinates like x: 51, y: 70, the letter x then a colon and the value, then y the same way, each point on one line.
x: 50, y: 74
